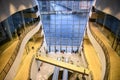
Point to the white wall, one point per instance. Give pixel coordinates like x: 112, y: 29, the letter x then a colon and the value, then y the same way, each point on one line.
x: 9, y: 7
x: 12, y: 72
x: 99, y: 51
x: 109, y: 6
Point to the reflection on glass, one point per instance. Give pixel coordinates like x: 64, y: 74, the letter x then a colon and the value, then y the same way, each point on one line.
x: 64, y: 24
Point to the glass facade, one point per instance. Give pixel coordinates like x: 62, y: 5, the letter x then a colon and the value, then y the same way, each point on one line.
x: 110, y: 28
x: 64, y: 24
x: 14, y: 25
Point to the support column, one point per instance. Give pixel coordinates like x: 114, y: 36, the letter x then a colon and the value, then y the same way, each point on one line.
x: 23, y: 21
x: 65, y: 74
x: 104, y: 22
x: 56, y: 73
x: 113, y: 42
x: 65, y: 71
x: 32, y: 9
x: 7, y: 28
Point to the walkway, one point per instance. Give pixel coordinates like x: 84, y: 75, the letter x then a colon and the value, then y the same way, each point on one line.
x: 47, y: 69
x: 26, y: 62
x: 92, y: 59
x: 114, y: 58
x: 6, y: 54
x: 63, y: 64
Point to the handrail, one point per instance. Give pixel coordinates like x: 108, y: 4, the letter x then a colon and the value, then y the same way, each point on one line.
x: 29, y: 76
x: 79, y: 69
x: 107, y: 71
x: 90, y: 74
x: 7, y: 67
x: 30, y: 68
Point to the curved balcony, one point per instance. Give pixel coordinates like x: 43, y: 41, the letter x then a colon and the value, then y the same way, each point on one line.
x: 9, y: 7
x: 102, y: 53
x: 23, y: 38
x: 29, y: 68
x: 111, y: 58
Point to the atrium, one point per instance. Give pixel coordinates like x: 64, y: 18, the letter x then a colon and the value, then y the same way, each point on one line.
x: 59, y: 40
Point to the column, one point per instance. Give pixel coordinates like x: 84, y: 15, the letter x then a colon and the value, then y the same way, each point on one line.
x: 105, y: 17
x: 65, y: 71
x: 32, y: 18
x: 23, y: 21
x: 7, y: 28
x: 56, y: 73
x: 65, y: 74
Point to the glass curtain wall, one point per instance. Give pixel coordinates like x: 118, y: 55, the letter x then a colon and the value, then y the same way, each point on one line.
x: 15, y: 24
x: 64, y: 23
x: 110, y: 28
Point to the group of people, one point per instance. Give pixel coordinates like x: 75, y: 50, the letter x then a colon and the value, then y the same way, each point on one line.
x: 63, y: 51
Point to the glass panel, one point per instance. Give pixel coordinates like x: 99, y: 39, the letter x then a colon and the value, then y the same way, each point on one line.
x: 64, y: 23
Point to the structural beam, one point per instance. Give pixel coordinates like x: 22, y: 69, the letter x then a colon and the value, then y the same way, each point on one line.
x: 65, y: 65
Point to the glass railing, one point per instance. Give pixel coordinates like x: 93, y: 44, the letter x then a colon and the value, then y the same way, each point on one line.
x: 107, y: 57
x: 14, y: 26
x: 7, y: 67
x: 110, y: 26
x: 31, y: 10
x: 29, y: 76
x: 90, y: 76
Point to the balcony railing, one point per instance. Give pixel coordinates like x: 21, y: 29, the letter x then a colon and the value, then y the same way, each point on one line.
x: 106, y: 76
x: 29, y: 76
x: 7, y: 67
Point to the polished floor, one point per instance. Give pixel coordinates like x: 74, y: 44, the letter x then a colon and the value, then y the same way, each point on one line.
x: 91, y: 58
x: 114, y: 58
x: 7, y: 53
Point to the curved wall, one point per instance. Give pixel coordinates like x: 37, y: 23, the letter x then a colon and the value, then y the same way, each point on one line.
x: 98, y: 49
x: 111, y: 7
x: 109, y: 22
x: 11, y: 74
x: 9, y: 7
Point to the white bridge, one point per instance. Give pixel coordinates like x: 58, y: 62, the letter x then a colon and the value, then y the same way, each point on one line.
x: 57, y: 12
x: 64, y: 12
